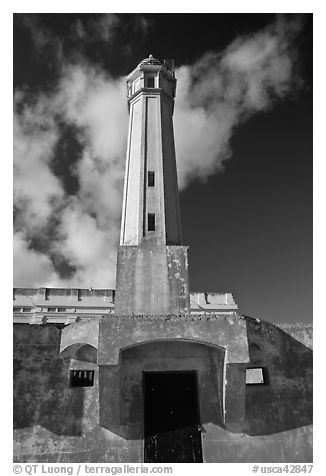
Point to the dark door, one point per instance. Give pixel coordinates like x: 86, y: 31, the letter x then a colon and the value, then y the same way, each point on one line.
x: 172, y: 432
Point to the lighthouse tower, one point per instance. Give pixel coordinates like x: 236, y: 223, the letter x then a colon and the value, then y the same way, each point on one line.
x: 152, y: 266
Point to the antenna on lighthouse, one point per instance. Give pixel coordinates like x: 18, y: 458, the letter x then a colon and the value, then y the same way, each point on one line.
x: 169, y: 64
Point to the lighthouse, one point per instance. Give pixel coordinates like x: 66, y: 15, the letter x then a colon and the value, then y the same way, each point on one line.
x: 134, y: 377
x: 152, y: 263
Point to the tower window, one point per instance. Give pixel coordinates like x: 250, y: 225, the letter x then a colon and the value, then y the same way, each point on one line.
x: 81, y: 378
x: 151, y: 179
x: 150, y: 82
x: 151, y: 222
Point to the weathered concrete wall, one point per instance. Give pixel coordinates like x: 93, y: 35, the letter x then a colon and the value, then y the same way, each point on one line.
x: 263, y: 423
x: 285, y: 402
x: 301, y: 331
x: 278, y: 415
x: 222, y: 446
x: 222, y: 330
x: 86, y: 332
x: 41, y: 393
x: 141, y: 289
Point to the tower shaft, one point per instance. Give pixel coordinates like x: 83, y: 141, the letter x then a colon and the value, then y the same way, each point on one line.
x: 152, y: 267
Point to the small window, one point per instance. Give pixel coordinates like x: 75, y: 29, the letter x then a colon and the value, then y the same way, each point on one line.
x: 17, y: 309
x: 62, y: 309
x: 255, y: 376
x: 81, y: 378
x: 151, y: 222
x: 27, y: 309
x: 151, y: 179
x: 150, y: 82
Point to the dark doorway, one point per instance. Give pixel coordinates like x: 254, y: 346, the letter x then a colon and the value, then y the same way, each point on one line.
x: 172, y: 430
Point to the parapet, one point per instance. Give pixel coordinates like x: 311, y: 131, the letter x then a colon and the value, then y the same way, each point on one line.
x: 212, y: 302
x: 61, y: 305
x: 68, y: 305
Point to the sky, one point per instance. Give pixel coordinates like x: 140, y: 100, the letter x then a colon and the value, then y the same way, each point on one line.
x: 243, y: 133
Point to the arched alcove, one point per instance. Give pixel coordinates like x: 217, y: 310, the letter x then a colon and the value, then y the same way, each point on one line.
x: 122, y: 386
x: 81, y: 351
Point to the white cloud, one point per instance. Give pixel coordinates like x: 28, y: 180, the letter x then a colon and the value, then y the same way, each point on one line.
x: 87, y: 233
x: 89, y: 248
x: 95, y: 103
x: 220, y: 90
x: 30, y: 267
x: 36, y: 189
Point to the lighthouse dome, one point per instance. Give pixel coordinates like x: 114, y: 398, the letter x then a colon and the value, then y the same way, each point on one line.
x: 151, y: 60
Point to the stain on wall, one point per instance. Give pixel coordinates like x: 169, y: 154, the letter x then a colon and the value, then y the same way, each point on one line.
x: 42, y: 395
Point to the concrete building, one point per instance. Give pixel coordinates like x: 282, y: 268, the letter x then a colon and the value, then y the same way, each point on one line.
x: 151, y: 372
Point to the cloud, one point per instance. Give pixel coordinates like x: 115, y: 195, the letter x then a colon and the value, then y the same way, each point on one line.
x: 85, y: 29
x: 221, y: 90
x: 100, y: 29
x: 87, y: 231
x: 36, y: 189
x: 95, y: 104
x: 40, y: 35
x: 142, y: 24
x: 105, y: 26
x: 46, y: 44
x: 30, y: 267
x: 214, y: 96
x: 88, y: 247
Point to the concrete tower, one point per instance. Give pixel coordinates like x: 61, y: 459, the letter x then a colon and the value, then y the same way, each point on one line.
x: 152, y: 267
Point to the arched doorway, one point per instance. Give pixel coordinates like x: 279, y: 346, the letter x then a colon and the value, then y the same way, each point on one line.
x: 169, y: 389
